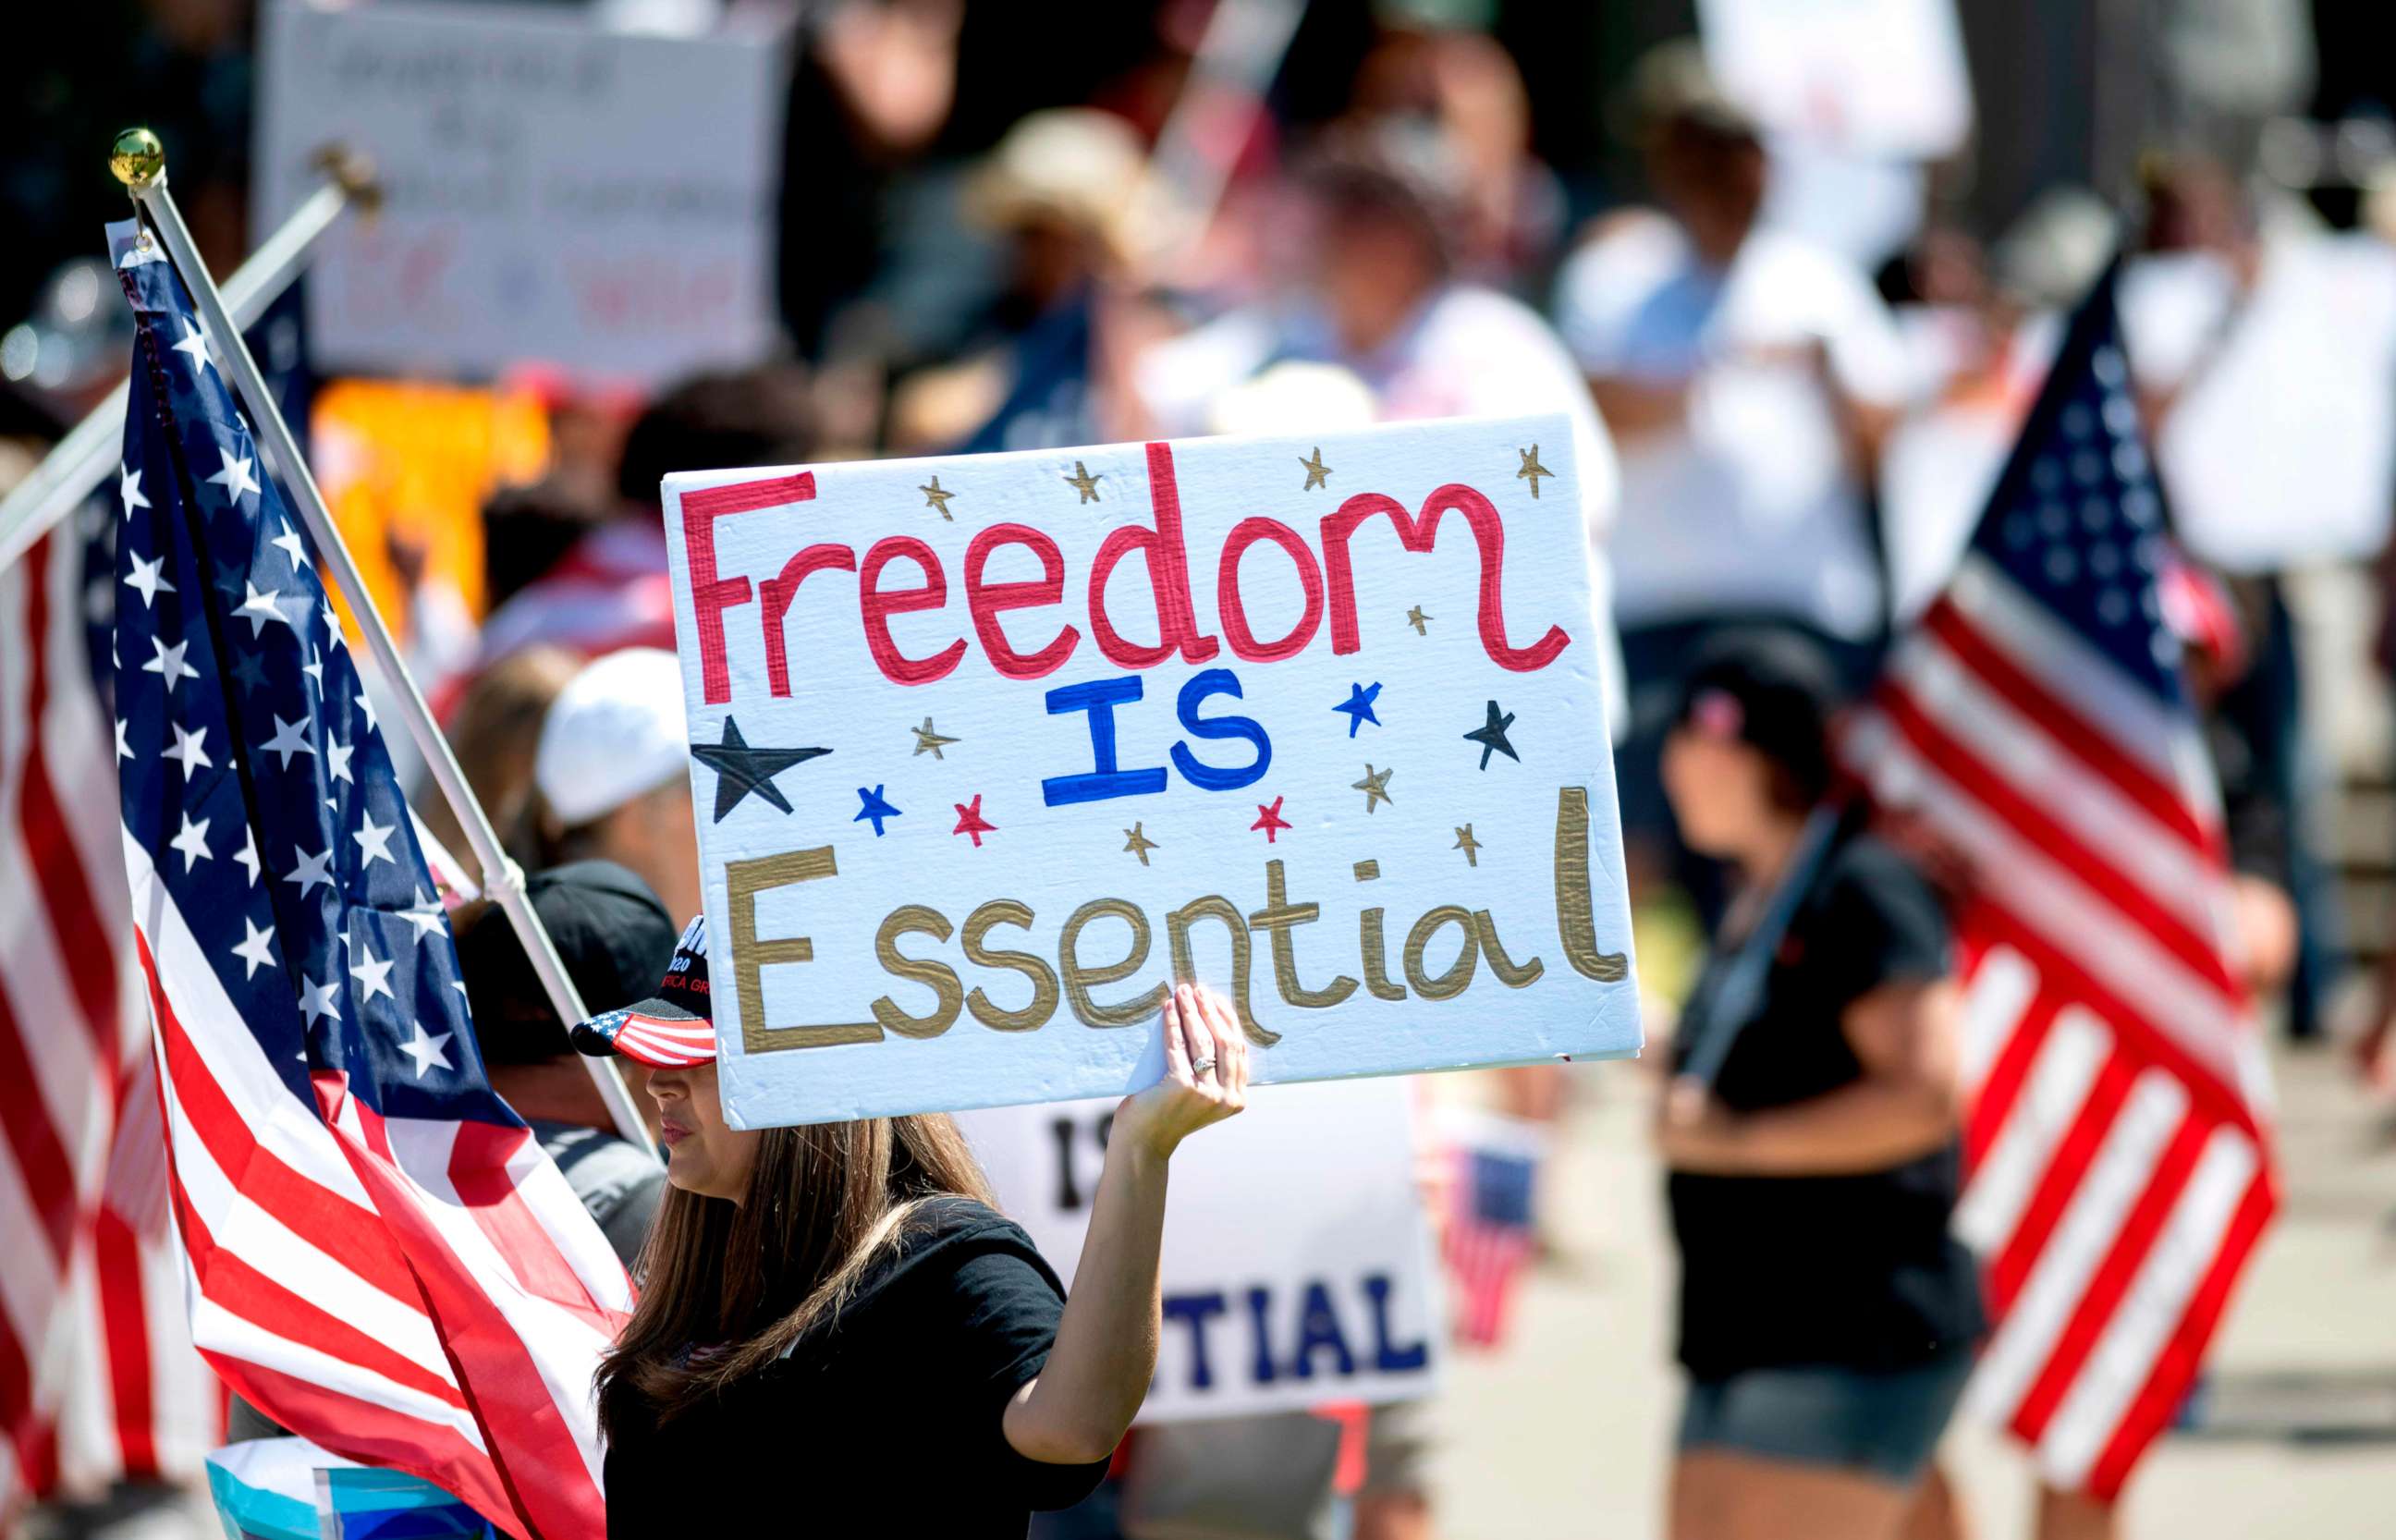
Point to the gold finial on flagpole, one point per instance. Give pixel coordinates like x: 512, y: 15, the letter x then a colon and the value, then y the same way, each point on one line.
x: 138, y: 158
x: 354, y: 173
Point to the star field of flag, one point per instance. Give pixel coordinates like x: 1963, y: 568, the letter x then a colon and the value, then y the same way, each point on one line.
x: 250, y: 765
x: 2077, y: 520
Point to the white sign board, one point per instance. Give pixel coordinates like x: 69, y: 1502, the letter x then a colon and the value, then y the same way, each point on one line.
x: 987, y: 748
x: 2282, y: 446
x: 1279, y: 1295
x: 1867, y: 77
x: 554, y: 193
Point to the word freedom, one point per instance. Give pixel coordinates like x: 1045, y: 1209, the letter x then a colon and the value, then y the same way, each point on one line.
x: 1075, y: 980
x: 1328, y: 584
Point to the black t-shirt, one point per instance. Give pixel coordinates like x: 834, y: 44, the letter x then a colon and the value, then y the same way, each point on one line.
x: 1859, y: 1269
x: 888, y: 1422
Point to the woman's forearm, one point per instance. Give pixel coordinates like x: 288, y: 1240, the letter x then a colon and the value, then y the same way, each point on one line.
x: 1098, y: 1373
x: 1868, y: 1125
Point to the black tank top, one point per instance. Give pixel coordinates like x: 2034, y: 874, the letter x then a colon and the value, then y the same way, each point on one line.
x: 1856, y: 1271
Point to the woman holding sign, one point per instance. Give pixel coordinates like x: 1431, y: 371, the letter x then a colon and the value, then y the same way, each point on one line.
x: 1828, y: 1317
x: 833, y: 1321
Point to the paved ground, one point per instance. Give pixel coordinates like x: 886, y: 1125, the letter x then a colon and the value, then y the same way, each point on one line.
x: 1565, y: 1431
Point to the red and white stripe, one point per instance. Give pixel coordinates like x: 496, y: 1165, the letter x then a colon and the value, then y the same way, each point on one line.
x: 1486, y: 1262
x: 667, y: 1044
x: 96, y: 1380
x: 2118, y: 1154
x: 610, y: 591
x: 425, y: 1295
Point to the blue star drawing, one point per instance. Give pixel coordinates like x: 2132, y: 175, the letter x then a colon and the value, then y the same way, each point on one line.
x: 874, y: 808
x: 1359, y: 706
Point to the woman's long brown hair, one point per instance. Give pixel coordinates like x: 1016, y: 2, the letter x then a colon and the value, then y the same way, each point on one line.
x: 729, y: 1288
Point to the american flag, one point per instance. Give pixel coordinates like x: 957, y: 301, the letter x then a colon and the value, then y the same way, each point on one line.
x: 381, y: 1257
x: 1491, y: 1233
x: 2038, y: 725
x: 97, y: 1380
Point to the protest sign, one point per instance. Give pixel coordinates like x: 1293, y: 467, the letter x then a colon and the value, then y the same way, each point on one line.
x: 553, y: 192
x: 987, y: 748
x: 2281, y: 449
x: 1278, y: 1295
x: 1864, y: 77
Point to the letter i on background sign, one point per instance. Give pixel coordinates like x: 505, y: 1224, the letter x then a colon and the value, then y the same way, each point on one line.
x: 987, y: 749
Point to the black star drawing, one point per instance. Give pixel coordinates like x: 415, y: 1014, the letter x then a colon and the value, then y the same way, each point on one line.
x: 1492, y: 734
x: 740, y: 769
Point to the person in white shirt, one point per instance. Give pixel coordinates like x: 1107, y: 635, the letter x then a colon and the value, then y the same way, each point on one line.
x: 1381, y: 212
x: 1749, y: 378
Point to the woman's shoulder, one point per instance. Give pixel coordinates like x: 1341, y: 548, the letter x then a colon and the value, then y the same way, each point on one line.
x: 1871, y: 864
x: 1875, y: 895
x: 947, y: 1237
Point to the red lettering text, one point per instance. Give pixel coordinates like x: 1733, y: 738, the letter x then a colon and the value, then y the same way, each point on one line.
x: 710, y: 596
x: 1415, y: 531
x: 987, y: 600
x: 776, y: 594
x: 877, y: 604
x: 1245, y: 534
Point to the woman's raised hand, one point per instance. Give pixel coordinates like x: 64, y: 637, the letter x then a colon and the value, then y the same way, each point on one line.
x: 1205, y: 1073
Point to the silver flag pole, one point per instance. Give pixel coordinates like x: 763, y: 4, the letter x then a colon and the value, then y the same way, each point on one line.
x: 82, y: 461
x: 141, y: 163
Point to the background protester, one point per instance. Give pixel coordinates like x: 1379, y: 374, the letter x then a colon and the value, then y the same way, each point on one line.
x: 1749, y: 378
x: 1377, y: 212
x: 613, y: 777
x: 1823, y: 1153
x: 615, y: 939
x: 818, y: 1287
x: 608, y: 590
x: 494, y: 728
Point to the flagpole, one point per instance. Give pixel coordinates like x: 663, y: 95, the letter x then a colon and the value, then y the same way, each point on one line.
x: 139, y: 162
x: 81, y: 460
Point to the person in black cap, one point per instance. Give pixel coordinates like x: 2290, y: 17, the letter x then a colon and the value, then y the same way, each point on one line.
x: 1828, y: 1317
x: 614, y: 937
x: 834, y: 1322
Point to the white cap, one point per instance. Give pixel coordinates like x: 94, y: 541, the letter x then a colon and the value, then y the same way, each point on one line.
x: 615, y: 732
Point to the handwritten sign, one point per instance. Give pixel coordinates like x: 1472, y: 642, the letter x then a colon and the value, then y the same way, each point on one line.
x: 986, y: 750
x: 1278, y: 1296
x: 553, y: 194
x: 1864, y: 77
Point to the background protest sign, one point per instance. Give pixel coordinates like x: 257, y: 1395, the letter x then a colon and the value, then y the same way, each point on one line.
x: 1278, y: 1295
x: 1868, y: 77
x: 553, y: 192
x: 985, y: 749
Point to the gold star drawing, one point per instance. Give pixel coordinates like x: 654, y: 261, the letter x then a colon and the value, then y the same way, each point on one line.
x: 1466, y: 844
x: 1376, y: 788
x: 1532, y: 469
x: 1416, y: 618
x: 927, y: 739
x: 1083, y: 482
x: 1317, y: 474
x: 934, y: 495
x: 1138, y: 843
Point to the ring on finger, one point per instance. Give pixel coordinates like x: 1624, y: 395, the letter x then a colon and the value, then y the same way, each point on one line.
x: 1204, y: 1066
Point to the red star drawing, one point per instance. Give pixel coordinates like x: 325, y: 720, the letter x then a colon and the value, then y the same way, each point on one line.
x: 1270, y: 820
x: 970, y: 821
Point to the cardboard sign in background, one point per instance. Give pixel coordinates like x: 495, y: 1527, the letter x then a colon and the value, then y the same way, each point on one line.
x: 1279, y: 1295
x: 600, y: 202
x: 960, y: 808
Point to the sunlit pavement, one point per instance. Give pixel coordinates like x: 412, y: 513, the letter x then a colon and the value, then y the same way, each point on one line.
x: 1566, y: 1430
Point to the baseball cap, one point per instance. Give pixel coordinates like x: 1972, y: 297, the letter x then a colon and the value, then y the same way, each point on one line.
x: 615, y: 731
x: 1771, y: 690
x: 671, y: 1028
x: 610, y: 931
x: 1673, y: 84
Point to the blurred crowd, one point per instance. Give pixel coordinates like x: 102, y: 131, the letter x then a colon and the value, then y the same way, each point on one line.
x: 1787, y: 404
